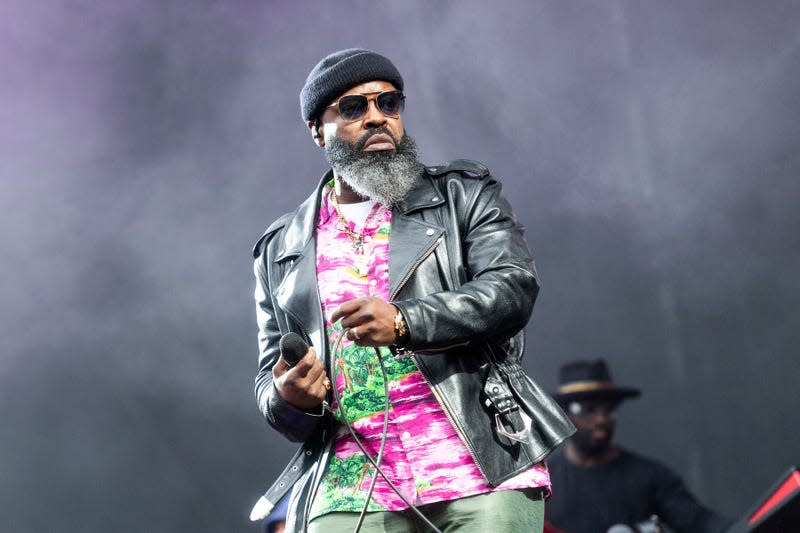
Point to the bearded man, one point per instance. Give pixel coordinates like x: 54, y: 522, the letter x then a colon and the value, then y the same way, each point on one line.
x: 412, y: 285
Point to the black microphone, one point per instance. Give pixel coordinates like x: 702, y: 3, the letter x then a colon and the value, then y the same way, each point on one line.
x: 293, y: 348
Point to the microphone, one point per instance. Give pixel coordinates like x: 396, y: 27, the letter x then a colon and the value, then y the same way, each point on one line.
x: 293, y: 348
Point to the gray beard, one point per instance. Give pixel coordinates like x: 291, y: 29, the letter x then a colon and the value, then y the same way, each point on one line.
x: 383, y: 176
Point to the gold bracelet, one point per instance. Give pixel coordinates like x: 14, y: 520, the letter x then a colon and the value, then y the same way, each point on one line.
x: 399, y: 326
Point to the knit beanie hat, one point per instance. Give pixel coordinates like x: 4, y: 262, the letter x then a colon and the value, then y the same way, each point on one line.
x: 341, y: 71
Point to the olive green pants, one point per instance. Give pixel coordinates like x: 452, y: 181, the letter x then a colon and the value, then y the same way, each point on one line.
x: 507, y: 511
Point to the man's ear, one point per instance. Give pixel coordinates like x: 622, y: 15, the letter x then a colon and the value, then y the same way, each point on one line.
x: 317, y: 132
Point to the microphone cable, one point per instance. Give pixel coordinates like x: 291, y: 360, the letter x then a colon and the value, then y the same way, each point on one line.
x: 343, y: 415
x: 375, y: 463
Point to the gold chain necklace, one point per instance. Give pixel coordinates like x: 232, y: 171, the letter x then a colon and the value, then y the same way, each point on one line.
x: 356, y: 239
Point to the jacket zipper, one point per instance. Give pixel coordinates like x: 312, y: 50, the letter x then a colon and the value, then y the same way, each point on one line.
x: 411, y: 270
x: 425, y: 377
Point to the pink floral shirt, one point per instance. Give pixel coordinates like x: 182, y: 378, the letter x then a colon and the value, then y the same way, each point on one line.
x: 424, y: 456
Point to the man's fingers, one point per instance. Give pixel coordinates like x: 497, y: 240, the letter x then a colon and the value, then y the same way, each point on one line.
x: 345, y: 310
x: 310, y: 357
x: 358, y: 333
x: 363, y: 307
x: 305, y: 363
x: 315, y: 373
x: 322, y: 386
x: 280, y: 368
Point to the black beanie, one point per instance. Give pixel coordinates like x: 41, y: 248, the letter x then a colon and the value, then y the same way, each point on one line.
x: 341, y: 71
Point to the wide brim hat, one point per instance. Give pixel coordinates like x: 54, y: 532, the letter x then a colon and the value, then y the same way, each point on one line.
x: 589, y: 380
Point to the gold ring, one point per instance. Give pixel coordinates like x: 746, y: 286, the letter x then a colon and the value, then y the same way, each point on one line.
x: 326, y: 383
x: 355, y: 334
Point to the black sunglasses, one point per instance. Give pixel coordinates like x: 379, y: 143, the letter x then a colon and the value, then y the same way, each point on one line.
x: 354, y: 106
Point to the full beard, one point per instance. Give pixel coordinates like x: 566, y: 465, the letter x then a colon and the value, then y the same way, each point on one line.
x: 591, y: 446
x: 384, y: 176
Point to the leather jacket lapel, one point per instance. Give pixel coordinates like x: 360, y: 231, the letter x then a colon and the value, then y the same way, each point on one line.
x: 297, y: 293
x: 412, y: 238
x: 410, y: 242
x: 299, y: 298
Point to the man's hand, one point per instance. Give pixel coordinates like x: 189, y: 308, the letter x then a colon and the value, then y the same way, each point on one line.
x: 303, y: 385
x: 370, y: 319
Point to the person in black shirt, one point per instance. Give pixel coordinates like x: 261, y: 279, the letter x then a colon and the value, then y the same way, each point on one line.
x: 600, y: 484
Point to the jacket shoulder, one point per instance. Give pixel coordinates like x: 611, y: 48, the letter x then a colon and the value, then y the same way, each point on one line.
x: 466, y: 167
x: 271, y: 230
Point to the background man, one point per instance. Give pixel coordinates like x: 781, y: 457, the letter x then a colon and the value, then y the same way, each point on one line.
x: 412, y: 285
x: 601, y: 484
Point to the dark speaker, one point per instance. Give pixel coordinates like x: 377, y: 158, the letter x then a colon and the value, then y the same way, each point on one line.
x: 777, y: 511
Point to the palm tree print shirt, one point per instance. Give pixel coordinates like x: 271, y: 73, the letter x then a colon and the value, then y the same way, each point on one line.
x: 424, y: 456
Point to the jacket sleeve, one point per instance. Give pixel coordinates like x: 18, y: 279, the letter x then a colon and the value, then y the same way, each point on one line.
x: 295, y: 424
x: 500, y: 284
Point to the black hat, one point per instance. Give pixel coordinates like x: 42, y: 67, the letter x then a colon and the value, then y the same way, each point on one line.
x: 339, y: 72
x: 589, y: 380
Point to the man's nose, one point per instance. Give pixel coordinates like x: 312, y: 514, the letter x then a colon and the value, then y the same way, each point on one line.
x: 603, y: 415
x: 374, y: 116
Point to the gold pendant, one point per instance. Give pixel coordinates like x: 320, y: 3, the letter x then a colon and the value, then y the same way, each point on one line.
x: 360, y: 265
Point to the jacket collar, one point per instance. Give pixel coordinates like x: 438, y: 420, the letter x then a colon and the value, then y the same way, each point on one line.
x: 422, y: 196
x: 300, y: 226
x: 302, y: 223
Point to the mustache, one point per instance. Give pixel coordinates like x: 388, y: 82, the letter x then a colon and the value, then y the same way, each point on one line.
x: 362, y: 141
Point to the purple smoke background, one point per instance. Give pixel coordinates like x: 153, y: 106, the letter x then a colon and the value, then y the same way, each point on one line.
x: 651, y: 149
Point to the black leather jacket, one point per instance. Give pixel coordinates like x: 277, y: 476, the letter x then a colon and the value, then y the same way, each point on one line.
x: 462, y: 274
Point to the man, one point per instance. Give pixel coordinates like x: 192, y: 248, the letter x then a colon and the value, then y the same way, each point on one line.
x: 412, y: 285
x: 601, y: 484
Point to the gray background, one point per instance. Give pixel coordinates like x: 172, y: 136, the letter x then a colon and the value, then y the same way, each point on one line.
x: 650, y: 148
